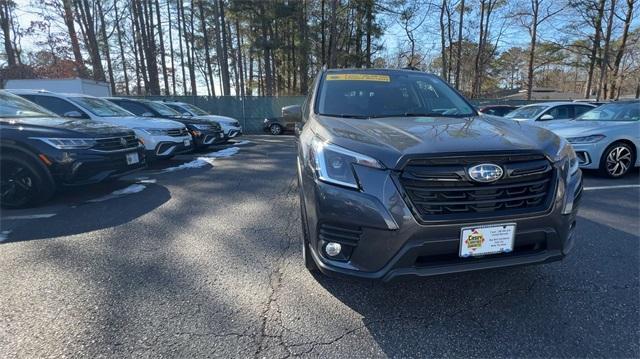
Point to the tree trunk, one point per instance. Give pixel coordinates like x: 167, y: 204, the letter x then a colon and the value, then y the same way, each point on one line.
x: 303, y: 49
x: 323, y: 49
x: 240, y: 58
x: 459, y: 49
x: 535, y: 9
x: 190, y: 58
x: 173, y: 67
x: 87, y: 20
x: 163, y: 61
x: 597, y: 25
x: 180, y: 38
x: 443, y: 41
x: 207, y: 58
x: 602, y: 86
x: 121, y: 47
x: 333, y: 35
x: 224, y: 63
x: 141, y: 54
x: 105, y: 46
x: 475, y: 87
x: 73, y: 37
x: 616, y: 82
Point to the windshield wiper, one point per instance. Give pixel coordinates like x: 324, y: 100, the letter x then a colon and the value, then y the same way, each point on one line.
x: 342, y: 115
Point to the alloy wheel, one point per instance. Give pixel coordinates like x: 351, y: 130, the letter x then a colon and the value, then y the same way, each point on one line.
x: 619, y: 161
x: 17, y: 185
x: 276, y: 129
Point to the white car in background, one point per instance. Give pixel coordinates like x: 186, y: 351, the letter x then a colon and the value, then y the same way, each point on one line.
x: 549, y: 111
x: 161, y: 138
x: 606, y: 138
x: 230, y: 126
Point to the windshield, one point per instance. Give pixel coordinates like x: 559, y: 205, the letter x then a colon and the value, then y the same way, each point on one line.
x: 193, y: 109
x: 526, y: 112
x: 15, y: 106
x: 613, y: 112
x: 101, y: 107
x: 396, y: 94
x: 163, y: 110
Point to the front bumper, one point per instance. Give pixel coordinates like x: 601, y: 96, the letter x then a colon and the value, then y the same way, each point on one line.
x: 166, y: 146
x: 232, y: 132
x: 589, y: 154
x: 71, y: 168
x: 392, y: 243
x: 207, y: 138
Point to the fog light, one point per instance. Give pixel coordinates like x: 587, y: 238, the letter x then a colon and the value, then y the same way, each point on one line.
x: 333, y: 249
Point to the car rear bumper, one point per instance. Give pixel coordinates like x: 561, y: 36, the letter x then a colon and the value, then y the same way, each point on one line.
x: 386, y: 241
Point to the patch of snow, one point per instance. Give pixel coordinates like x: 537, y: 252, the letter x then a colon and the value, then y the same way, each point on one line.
x: 134, y: 188
x: 227, y: 152
x: 146, y: 180
x: 244, y: 142
x: 206, y: 159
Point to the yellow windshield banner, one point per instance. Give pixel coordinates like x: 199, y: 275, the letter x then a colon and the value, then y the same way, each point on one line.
x: 358, y: 77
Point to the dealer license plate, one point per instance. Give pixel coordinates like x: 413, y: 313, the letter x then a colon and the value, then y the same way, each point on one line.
x: 187, y: 143
x: 487, y: 239
x: 132, y: 158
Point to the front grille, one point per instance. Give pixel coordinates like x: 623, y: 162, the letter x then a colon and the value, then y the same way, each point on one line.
x: 439, y: 189
x: 216, y: 126
x: 116, y: 143
x: 177, y: 132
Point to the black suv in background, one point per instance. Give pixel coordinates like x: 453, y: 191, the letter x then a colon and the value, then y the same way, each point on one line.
x: 204, y: 133
x: 41, y: 151
x: 399, y: 175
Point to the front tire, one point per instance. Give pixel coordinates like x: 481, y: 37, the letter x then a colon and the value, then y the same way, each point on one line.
x: 617, y: 160
x: 275, y: 129
x: 22, y: 183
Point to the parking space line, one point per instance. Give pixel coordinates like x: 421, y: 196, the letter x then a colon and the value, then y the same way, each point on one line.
x: 29, y: 216
x: 612, y: 187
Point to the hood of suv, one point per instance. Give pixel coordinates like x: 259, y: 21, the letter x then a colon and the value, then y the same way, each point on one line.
x: 142, y: 122
x: 392, y: 140
x: 58, y: 124
x: 223, y: 120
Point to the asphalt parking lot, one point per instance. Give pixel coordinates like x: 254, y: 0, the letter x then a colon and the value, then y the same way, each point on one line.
x: 204, y: 260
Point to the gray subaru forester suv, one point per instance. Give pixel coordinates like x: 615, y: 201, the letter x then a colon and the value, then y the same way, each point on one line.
x: 399, y: 175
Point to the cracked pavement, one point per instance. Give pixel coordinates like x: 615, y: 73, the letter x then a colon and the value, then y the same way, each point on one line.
x: 207, y: 263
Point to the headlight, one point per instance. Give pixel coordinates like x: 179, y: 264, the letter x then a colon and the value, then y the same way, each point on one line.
x: 568, y: 155
x: 153, y: 131
x: 202, y: 127
x: 585, y: 139
x: 334, y: 164
x: 68, y: 143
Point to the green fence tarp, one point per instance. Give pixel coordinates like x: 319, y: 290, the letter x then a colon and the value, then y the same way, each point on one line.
x: 252, y: 110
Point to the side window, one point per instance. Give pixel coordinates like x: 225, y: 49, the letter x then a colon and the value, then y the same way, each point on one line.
x: 579, y: 110
x: 134, y: 107
x: 54, y: 104
x: 560, y: 112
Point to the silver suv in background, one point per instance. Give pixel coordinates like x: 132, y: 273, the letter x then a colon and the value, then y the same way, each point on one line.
x: 230, y: 126
x: 161, y: 138
x: 549, y: 111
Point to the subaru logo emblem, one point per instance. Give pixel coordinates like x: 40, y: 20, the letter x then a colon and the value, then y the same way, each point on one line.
x: 123, y: 142
x: 485, y: 173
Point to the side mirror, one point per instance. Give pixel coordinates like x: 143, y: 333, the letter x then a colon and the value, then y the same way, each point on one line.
x: 546, y: 118
x: 74, y: 114
x: 147, y: 114
x: 292, y: 113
